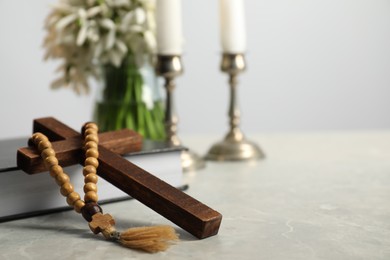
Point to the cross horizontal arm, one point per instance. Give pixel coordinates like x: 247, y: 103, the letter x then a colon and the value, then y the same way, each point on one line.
x: 69, y: 151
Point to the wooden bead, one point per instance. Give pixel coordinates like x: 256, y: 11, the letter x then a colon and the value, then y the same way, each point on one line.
x: 91, y: 196
x: 55, y: 170
x: 90, y: 131
x: 50, y: 161
x: 89, y: 210
x: 66, y: 189
x: 72, y: 198
x: 48, y: 152
x: 37, y: 137
x: 92, y: 152
x: 93, y: 138
x: 88, y: 126
x: 78, y: 205
x: 90, y: 186
x: 89, y: 169
x: 90, y: 144
x: 42, y: 145
x: 91, y: 178
x: 62, y: 178
x: 91, y: 161
x: 36, y: 141
x: 91, y: 125
x: 34, y: 137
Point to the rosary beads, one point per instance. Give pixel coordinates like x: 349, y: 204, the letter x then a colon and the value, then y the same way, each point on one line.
x: 150, y: 239
x: 89, y: 171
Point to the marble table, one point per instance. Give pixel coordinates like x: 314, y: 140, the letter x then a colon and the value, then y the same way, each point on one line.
x: 315, y: 196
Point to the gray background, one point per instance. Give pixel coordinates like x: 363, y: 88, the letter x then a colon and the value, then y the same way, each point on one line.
x: 312, y: 66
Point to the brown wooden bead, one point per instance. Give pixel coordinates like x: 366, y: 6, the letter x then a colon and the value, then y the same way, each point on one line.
x: 78, y: 205
x: 66, y: 189
x: 91, y: 196
x: 62, y: 178
x: 48, y: 152
x: 91, y: 161
x: 91, y: 178
x: 37, y: 137
x: 50, y: 161
x: 91, y: 125
x: 88, y: 170
x: 72, y: 198
x: 93, y: 138
x: 42, y: 145
x: 89, y: 210
x: 90, y: 144
x: 90, y: 131
x: 55, y: 170
x: 92, y: 152
x: 34, y: 137
x: 90, y: 186
x: 88, y: 125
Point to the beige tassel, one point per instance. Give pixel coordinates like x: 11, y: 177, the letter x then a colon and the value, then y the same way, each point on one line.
x: 150, y: 239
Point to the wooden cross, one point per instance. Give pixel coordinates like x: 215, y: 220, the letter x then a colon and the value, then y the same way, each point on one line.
x: 183, y: 210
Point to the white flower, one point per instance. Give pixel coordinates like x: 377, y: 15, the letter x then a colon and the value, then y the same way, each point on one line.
x: 61, y: 24
x: 121, y: 46
x: 140, y: 16
x: 107, y: 24
x: 150, y: 40
x: 110, y: 39
x: 126, y: 21
x: 93, y: 11
x: 82, y: 35
x: 87, y: 34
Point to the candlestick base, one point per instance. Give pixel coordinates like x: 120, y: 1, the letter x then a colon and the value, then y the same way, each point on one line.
x: 235, y: 147
x: 190, y: 161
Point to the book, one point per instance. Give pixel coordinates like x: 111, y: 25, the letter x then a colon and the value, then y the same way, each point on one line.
x: 24, y: 195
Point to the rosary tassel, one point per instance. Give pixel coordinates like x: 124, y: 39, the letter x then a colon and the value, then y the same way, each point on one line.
x: 150, y: 239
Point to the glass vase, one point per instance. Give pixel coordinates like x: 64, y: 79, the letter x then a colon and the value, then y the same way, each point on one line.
x: 131, y: 98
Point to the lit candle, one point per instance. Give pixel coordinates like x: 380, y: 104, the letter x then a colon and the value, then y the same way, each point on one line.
x: 169, y: 31
x: 232, y: 22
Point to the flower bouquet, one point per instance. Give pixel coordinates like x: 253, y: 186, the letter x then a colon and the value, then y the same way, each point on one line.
x: 113, y: 42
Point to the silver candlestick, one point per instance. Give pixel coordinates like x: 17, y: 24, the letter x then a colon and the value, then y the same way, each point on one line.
x: 169, y: 67
x: 234, y: 147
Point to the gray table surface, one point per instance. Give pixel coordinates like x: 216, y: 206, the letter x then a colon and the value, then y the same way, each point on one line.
x: 315, y: 196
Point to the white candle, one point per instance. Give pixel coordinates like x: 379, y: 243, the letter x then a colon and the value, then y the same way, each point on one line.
x: 169, y: 27
x: 232, y: 23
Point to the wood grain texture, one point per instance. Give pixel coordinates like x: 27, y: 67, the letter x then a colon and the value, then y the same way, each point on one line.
x: 69, y: 151
x: 175, y: 205
x: 183, y: 210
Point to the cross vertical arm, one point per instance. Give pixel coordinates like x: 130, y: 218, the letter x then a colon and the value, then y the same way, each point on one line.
x: 175, y: 205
